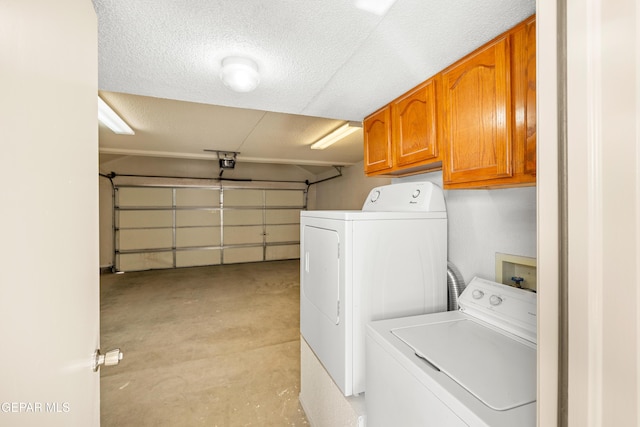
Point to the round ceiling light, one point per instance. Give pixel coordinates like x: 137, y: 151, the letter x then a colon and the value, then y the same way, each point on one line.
x: 239, y: 74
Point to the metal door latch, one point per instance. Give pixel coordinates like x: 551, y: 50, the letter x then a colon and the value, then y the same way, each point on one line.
x: 110, y: 358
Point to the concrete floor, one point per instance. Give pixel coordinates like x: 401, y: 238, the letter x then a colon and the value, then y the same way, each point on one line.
x: 205, y: 346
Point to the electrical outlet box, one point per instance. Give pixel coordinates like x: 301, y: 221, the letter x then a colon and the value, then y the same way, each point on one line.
x: 510, y: 266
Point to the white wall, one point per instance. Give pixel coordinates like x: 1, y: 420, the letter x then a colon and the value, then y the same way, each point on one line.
x: 343, y: 193
x: 484, y: 222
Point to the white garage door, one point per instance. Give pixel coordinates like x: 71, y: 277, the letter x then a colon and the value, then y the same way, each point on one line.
x: 170, y: 227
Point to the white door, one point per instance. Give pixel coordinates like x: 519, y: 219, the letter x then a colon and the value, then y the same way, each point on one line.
x: 602, y: 299
x: 49, y: 283
x: 320, y: 282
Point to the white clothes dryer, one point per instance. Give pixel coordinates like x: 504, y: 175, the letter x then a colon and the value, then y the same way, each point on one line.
x: 471, y: 367
x: 388, y: 260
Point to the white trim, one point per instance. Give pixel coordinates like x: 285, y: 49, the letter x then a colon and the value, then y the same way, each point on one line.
x: 604, y: 207
x: 637, y: 206
x: 583, y: 271
x: 547, y: 211
x: 594, y: 238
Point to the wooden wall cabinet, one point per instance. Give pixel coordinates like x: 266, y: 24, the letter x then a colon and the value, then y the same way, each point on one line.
x: 476, y: 116
x: 524, y: 67
x: 377, y: 142
x: 488, y: 114
x: 402, y: 138
x: 476, y: 119
x: 414, y: 126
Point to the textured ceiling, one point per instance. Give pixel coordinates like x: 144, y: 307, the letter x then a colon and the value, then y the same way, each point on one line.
x: 319, y: 58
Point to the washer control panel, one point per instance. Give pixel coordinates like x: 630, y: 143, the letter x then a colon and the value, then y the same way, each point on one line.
x: 406, y: 197
x: 506, y: 307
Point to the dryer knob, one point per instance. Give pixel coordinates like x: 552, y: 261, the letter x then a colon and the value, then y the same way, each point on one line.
x: 416, y: 194
x: 375, y: 195
x: 495, y: 300
x: 477, y: 294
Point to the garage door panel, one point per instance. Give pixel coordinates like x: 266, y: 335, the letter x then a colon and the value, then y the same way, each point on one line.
x: 282, y: 252
x: 145, y: 261
x: 284, y: 198
x: 130, y: 219
x: 138, y: 196
x: 243, y: 235
x: 169, y: 227
x: 234, y: 198
x: 282, y: 216
x: 238, y: 255
x: 198, y: 236
x: 187, y: 218
x: 243, y: 217
x: 145, y: 239
x: 193, y: 258
x: 197, y: 197
x: 283, y: 233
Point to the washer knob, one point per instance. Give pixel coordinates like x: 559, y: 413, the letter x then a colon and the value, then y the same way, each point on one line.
x: 416, y: 194
x: 375, y: 195
x: 477, y: 294
x: 495, y: 300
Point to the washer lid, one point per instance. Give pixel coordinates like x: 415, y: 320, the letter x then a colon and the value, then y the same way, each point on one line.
x: 495, y: 368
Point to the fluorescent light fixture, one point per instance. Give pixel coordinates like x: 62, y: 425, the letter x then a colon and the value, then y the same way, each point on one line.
x: 378, y: 7
x: 335, y: 136
x: 239, y: 74
x: 110, y: 119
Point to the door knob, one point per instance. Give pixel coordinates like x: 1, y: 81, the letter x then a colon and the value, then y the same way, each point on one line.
x: 110, y: 358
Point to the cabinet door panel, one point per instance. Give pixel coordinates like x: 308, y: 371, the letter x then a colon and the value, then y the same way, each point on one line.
x: 530, y: 151
x: 377, y: 141
x: 476, y: 112
x: 523, y: 78
x: 414, y: 125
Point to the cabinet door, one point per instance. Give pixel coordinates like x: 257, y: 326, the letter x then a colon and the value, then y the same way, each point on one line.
x: 523, y: 78
x: 476, y: 114
x: 377, y: 141
x: 414, y: 125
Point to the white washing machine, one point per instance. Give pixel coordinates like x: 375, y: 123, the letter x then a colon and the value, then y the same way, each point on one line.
x: 388, y: 260
x: 471, y: 367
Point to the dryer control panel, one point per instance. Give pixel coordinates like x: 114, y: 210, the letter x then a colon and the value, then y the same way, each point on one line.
x: 406, y: 197
x: 508, y: 308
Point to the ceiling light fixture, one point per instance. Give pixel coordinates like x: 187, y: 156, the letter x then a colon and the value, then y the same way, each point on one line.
x: 378, y: 7
x: 336, y: 135
x: 112, y: 120
x: 239, y: 74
